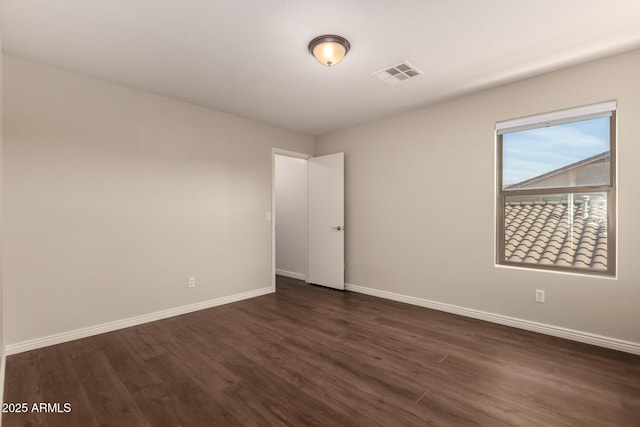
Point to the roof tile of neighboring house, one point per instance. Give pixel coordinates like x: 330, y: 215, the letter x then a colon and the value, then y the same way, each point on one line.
x: 540, y: 232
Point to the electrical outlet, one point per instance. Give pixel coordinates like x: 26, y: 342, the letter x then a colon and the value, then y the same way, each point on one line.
x: 540, y: 295
x: 192, y: 282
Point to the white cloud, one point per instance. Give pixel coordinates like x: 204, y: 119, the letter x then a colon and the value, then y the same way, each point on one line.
x: 534, y: 152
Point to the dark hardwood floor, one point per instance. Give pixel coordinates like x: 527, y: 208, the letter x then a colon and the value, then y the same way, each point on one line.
x: 307, y: 355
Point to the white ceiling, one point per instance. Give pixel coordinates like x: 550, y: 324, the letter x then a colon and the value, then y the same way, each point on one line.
x: 250, y: 57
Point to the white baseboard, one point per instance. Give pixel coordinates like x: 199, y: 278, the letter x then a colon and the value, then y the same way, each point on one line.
x: 291, y: 274
x: 556, y: 331
x: 131, y: 321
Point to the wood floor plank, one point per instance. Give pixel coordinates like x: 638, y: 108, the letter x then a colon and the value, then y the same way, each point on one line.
x: 111, y: 402
x: 71, y: 392
x: 308, y: 355
x: 23, y: 385
x: 179, y: 399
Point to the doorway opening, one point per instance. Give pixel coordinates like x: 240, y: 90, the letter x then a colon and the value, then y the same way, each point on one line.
x: 308, y: 218
x: 290, y: 215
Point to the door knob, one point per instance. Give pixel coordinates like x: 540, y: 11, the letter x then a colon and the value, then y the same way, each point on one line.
x: 339, y: 228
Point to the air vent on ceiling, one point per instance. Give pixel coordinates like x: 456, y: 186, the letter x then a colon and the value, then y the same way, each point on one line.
x: 397, y: 73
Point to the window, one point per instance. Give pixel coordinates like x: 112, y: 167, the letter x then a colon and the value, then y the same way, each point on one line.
x: 556, y: 190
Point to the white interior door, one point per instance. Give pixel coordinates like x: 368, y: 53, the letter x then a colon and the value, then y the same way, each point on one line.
x: 326, y: 221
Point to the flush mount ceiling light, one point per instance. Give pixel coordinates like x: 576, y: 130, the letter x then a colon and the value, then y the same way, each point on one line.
x: 329, y: 50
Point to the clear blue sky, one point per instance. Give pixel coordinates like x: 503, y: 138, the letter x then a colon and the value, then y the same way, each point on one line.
x: 529, y: 153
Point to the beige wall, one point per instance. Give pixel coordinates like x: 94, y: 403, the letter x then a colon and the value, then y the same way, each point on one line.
x: 1, y: 226
x: 420, y: 203
x: 114, y: 197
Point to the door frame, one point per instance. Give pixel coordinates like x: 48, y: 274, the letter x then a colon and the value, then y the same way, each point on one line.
x: 288, y: 153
